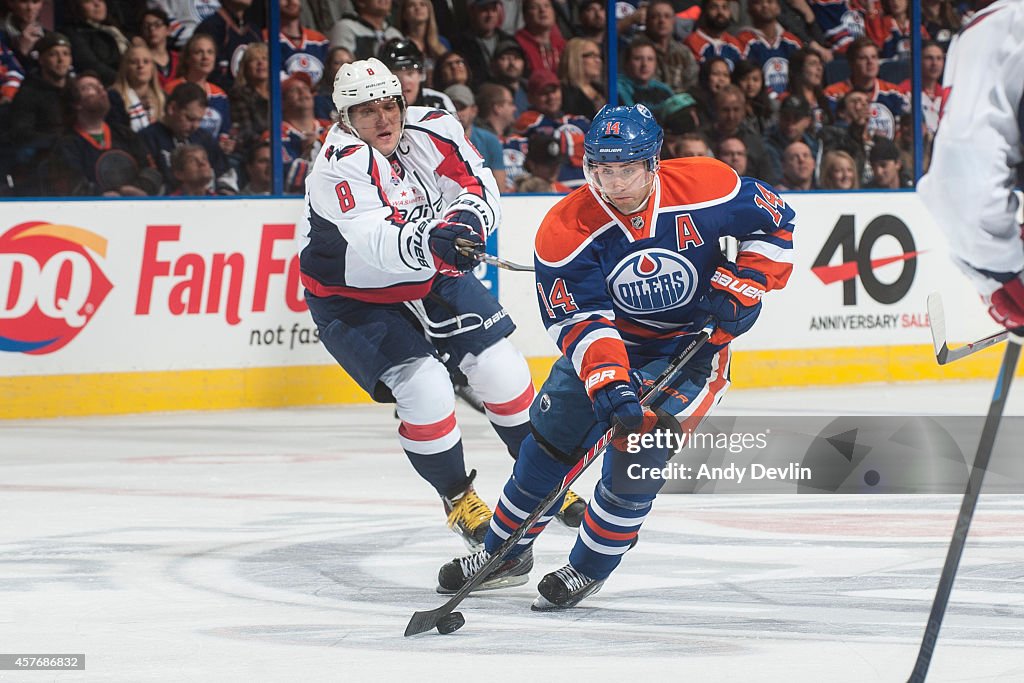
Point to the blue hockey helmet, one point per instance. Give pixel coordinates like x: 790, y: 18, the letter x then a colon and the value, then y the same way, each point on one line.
x: 620, y: 134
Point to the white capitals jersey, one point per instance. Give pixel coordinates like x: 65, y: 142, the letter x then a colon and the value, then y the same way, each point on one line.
x: 969, y: 186
x: 365, y: 227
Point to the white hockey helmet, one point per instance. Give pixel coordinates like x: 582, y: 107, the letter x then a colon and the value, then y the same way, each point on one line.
x: 365, y: 80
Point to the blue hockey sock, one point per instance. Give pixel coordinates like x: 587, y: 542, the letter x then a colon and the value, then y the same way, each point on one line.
x: 534, y: 475
x: 445, y: 471
x: 608, y: 530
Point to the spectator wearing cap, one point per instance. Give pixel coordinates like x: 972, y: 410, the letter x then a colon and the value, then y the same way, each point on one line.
x: 302, y: 49
x: 637, y: 84
x: 582, y: 74
x: 508, y: 68
x: 540, y: 38
x: 542, y: 167
x: 82, y: 158
x: 231, y: 32
x: 366, y: 31
x: 886, y: 167
x: 486, y: 142
x: 406, y: 62
x: 733, y: 152
x: 888, y: 102
x: 677, y: 67
x: 181, y: 124
x: 482, y: 37
x: 797, y: 167
x: 591, y: 20
x: 710, y: 38
x: 794, y: 124
x: 730, y: 108
x: 96, y: 43
x: 416, y: 21
x: 546, y: 115
x: 37, y: 111
x: 496, y: 110
x: 302, y: 134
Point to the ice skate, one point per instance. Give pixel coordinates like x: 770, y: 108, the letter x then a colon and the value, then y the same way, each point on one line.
x: 564, y: 588
x: 514, y: 572
x: 572, y: 511
x: 468, y: 515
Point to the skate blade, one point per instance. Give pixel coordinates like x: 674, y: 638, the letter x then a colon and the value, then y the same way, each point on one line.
x: 542, y: 604
x: 493, y: 584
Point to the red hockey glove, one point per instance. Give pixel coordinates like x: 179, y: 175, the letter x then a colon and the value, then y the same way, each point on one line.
x: 1006, y: 305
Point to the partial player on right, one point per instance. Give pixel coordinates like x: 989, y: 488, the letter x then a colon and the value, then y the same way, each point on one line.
x: 977, y: 157
x: 629, y: 269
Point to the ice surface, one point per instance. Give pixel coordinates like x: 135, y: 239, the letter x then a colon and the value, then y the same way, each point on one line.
x: 294, y: 545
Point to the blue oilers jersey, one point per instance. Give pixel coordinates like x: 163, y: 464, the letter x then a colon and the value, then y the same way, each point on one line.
x: 617, y: 290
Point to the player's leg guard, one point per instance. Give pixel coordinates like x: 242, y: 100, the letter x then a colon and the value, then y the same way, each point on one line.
x: 533, y: 476
x: 500, y: 377
x: 433, y: 443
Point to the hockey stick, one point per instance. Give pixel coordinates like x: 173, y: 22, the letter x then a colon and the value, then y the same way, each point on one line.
x: 424, y: 621
x: 963, y: 520
x: 507, y: 265
x: 469, y: 249
x: 937, y: 323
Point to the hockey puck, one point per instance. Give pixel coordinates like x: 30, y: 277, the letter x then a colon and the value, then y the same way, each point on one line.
x: 450, y: 623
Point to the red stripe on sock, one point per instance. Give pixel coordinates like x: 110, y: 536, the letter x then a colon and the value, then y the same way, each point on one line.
x: 516, y: 405
x: 604, y: 533
x: 428, y: 432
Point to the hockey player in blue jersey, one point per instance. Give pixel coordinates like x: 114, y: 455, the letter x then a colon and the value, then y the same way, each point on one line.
x: 388, y: 195
x: 628, y: 269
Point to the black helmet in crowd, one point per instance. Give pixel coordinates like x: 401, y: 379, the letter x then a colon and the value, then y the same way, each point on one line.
x: 401, y: 53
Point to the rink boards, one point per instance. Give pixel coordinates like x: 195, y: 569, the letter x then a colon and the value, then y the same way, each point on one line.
x: 132, y: 306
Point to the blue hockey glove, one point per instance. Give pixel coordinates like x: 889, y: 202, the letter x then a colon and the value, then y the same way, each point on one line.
x: 734, y: 301
x: 466, y: 218
x: 456, y: 248
x: 617, y: 404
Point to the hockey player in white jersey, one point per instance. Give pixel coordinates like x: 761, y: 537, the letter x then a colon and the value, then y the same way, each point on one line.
x: 390, y: 193
x: 977, y: 156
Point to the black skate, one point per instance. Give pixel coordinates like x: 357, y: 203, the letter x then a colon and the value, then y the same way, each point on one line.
x: 514, y: 572
x: 564, y: 588
x: 573, y: 509
x: 468, y: 515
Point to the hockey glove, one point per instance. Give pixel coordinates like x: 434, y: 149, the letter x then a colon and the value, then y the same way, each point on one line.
x: 456, y: 248
x: 617, y: 405
x: 466, y: 218
x: 1006, y: 305
x: 734, y: 301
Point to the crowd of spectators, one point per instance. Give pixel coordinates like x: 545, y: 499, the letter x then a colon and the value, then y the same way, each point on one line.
x: 172, y: 97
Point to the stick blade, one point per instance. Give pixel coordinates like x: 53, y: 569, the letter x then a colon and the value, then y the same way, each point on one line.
x: 937, y: 324
x: 422, y: 622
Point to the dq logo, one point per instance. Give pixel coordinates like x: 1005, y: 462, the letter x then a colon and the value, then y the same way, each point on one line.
x: 50, y: 285
x: 857, y: 261
x: 653, y: 280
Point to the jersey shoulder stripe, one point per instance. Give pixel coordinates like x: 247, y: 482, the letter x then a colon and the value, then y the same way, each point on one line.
x: 569, y: 226
x: 697, y: 181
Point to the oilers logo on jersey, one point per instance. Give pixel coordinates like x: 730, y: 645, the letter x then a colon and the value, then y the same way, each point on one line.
x: 653, y: 280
